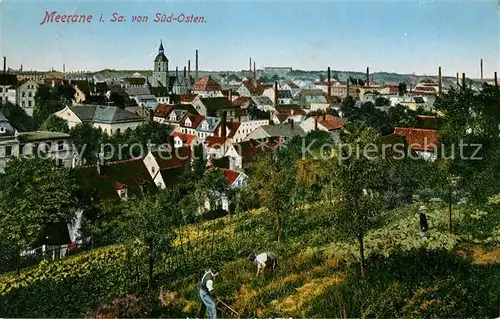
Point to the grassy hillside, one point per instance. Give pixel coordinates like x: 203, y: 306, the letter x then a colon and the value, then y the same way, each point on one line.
x: 449, y: 275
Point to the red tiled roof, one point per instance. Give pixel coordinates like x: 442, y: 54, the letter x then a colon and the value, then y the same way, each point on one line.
x: 119, y: 186
x: 187, y: 139
x: 233, y: 127
x: 418, y: 139
x: 176, y: 157
x: 206, y: 83
x: 287, y: 109
x: 162, y: 110
x: 330, y: 122
x: 253, y: 88
x: 231, y: 176
x: 195, y: 120
x: 242, y: 100
x: 187, y: 97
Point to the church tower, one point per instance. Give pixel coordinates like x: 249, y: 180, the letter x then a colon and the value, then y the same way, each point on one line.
x: 160, y: 71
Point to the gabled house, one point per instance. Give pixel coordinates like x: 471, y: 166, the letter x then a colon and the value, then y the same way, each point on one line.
x: 110, y: 119
x: 423, y: 141
x: 245, y: 128
x: 161, y: 113
x: 131, y: 82
x: 175, y: 117
x: 239, y: 155
x: 142, y: 96
x: 215, y: 147
x: 248, y: 89
x: 242, y: 102
x: 292, y: 87
x: 207, y: 87
x: 187, y: 98
x: 208, y: 127
x: 263, y: 103
x: 212, y: 106
x: 283, y: 96
x: 325, y: 122
x: 115, y: 181
x: 189, y: 124
x: 287, y: 113
x: 184, y: 140
x: 282, y: 132
x: 165, y: 166
x: 161, y: 94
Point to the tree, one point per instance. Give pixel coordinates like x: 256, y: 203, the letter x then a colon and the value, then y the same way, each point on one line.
x: 55, y: 124
x: 469, y: 145
x: 274, y: 178
x: 35, y: 194
x: 86, y: 139
x: 402, y: 89
x: 17, y: 117
x: 147, y: 228
x: 358, y: 177
x: 382, y: 101
x: 50, y: 99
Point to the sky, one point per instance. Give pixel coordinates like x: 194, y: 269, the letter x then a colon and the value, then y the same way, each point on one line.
x: 393, y: 36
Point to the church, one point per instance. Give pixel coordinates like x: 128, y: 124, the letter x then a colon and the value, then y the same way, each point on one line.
x: 163, y: 81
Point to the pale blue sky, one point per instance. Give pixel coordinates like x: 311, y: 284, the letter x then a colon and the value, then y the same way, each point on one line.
x: 398, y: 36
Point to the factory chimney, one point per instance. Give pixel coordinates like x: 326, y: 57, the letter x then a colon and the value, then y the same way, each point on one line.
x: 329, y: 83
x: 223, y: 125
x: 196, y: 67
x: 184, y: 73
x: 463, y: 81
x: 275, y: 101
x: 481, y: 69
x: 5, y: 77
x: 496, y: 81
x: 189, y: 74
x: 64, y: 68
x: 367, y: 77
x: 21, y: 68
x: 440, y: 82
x: 254, y: 71
x: 458, y: 81
x: 347, y: 88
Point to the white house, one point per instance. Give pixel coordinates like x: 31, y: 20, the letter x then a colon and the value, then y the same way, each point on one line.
x: 246, y: 128
x: 25, y: 95
x: 207, y: 127
x: 110, y: 119
x: 235, y: 180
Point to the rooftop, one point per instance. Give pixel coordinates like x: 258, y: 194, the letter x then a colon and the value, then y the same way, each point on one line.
x: 42, y: 136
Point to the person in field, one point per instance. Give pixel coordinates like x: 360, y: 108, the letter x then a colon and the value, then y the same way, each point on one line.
x: 205, y: 291
x: 264, y: 261
x: 424, y: 226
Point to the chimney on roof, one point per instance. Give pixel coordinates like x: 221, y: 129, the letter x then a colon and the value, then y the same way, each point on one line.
x: 367, y: 76
x: 315, y: 124
x: 481, y: 69
x: 275, y: 100
x: 463, y: 81
x: 440, y: 82
x: 291, y: 123
x: 496, y: 81
x: 223, y: 124
x: 329, y: 84
x: 230, y: 95
x: 196, y: 67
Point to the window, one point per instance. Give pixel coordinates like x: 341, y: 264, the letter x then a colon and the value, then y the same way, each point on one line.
x: 29, y: 103
x: 8, y: 150
x: 23, y: 103
x: 118, y: 130
x: 60, y: 145
x: 159, y: 68
x: 23, y: 94
x: 153, y: 169
x: 29, y: 94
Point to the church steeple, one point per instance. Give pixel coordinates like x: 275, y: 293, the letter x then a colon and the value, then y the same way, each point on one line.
x: 160, y: 50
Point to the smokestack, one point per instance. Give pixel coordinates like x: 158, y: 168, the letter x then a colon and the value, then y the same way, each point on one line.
x: 250, y: 69
x: 184, y: 73
x: 347, y: 88
x: 189, y: 74
x: 496, y: 81
x: 329, y: 83
x: 4, y: 72
x: 458, y: 81
x: 254, y: 71
x: 275, y: 102
x: 64, y: 68
x: 177, y: 73
x: 21, y: 68
x: 367, y: 76
x: 463, y: 81
x: 196, y: 67
x: 440, y: 83
x: 481, y: 69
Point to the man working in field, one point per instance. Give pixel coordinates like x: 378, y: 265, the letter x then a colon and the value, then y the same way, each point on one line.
x: 205, y: 290
x: 264, y: 261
